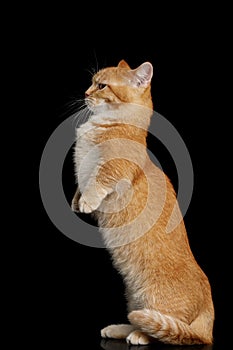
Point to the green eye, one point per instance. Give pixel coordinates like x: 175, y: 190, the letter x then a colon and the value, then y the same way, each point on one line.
x: 101, y: 86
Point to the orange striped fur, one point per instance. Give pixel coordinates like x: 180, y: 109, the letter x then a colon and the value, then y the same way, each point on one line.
x: 169, y: 296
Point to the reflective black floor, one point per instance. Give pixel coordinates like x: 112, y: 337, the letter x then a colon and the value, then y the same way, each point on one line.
x: 70, y: 335
x: 122, y: 345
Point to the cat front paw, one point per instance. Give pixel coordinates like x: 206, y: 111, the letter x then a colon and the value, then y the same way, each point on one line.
x: 87, y: 207
x: 117, y: 331
x: 75, y: 201
x: 75, y: 205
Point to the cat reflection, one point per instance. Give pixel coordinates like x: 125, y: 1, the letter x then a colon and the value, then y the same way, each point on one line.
x: 110, y: 344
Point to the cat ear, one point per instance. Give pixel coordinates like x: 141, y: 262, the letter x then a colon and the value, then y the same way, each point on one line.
x: 142, y: 75
x: 123, y: 64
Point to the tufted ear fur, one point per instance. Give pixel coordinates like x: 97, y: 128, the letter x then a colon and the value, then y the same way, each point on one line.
x: 123, y: 64
x: 141, y: 76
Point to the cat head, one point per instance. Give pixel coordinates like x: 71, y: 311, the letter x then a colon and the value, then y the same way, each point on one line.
x: 121, y: 84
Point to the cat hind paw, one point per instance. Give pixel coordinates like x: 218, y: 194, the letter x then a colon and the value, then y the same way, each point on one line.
x: 119, y: 331
x: 138, y: 338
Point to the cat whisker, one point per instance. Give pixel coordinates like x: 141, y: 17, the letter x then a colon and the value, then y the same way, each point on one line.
x: 73, y: 106
x: 91, y: 71
x: 97, y: 65
x: 82, y: 115
x: 69, y: 109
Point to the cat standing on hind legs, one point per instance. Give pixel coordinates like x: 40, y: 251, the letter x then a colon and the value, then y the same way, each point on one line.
x: 169, y: 296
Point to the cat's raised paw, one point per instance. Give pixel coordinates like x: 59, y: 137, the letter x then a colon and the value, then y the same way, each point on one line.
x: 85, y: 207
x: 138, y: 338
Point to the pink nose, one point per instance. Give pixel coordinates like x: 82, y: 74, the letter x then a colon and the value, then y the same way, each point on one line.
x: 87, y: 94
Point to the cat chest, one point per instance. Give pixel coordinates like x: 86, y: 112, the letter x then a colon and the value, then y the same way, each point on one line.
x: 87, y: 153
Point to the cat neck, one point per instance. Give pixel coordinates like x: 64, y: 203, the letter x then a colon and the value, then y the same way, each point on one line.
x: 126, y: 113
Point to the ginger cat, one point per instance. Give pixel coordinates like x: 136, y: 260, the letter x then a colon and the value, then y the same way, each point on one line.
x: 169, y: 296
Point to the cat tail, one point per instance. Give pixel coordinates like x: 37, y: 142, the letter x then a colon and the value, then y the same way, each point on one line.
x: 167, y: 329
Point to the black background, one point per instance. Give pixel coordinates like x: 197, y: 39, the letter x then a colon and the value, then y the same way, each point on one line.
x: 75, y: 290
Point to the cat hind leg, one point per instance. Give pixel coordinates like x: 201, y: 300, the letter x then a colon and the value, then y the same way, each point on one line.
x: 168, y: 329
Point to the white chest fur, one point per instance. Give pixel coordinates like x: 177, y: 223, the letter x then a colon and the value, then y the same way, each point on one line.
x: 87, y: 154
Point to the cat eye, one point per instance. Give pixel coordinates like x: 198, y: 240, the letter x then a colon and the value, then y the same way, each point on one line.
x: 101, y: 86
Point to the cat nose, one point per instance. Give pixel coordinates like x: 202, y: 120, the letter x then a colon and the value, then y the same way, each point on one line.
x: 87, y: 94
